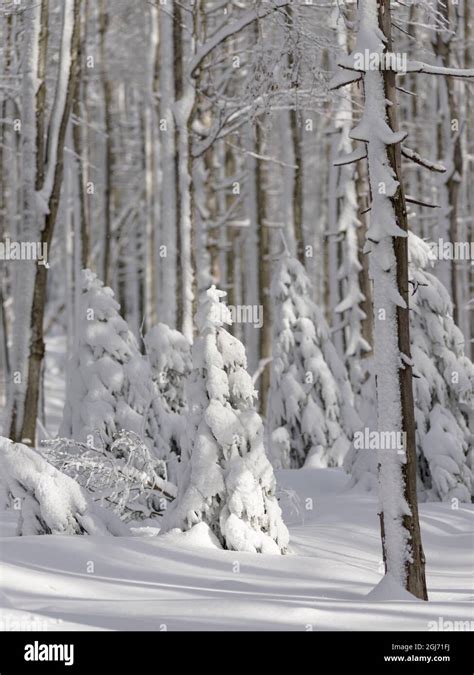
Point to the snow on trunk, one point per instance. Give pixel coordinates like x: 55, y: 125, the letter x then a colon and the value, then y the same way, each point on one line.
x: 374, y: 129
x: 227, y: 482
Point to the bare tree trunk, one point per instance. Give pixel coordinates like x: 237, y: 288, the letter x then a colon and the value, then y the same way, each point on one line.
x: 108, y: 160
x: 231, y: 232
x: 4, y: 326
x: 264, y: 275
x: 152, y: 289
x: 468, y: 36
x: 169, y: 69
x: 37, y: 350
x: 32, y: 150
x: 178, y: 92
x: 78, y: 149
x: 298, y: 186
x: 184, y: 112
x: 453, y: 151
x: 41, y: 97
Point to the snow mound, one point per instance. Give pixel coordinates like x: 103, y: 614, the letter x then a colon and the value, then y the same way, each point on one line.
x: 389, y: 589
x: 199, y: 536
x: 50, y: 502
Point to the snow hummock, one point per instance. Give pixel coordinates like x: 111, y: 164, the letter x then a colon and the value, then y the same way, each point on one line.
x: 389, y: 589
x: 46, y: 500
x: 199, y: 536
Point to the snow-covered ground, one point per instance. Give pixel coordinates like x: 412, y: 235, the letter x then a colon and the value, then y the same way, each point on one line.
x: 185, y: 583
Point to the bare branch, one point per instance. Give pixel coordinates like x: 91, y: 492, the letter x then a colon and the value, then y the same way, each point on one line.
x: 415, y: 157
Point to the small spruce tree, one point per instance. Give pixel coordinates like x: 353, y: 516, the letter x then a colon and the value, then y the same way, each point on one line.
x: 109, y: 385
x: 310, y: 407
x: 227, y: 480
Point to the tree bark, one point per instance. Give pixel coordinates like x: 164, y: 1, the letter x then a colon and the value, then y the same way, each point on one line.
x: 37, y: 349
x: 415, y: 569
x: 108, y: 159
x: 443, y: 50
x: 264, y: 275
x: 84, y: 229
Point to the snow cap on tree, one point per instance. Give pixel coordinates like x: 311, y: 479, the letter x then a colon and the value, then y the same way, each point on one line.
x: 169, y: 355
x: 227, y: 481
x: 310, y: 407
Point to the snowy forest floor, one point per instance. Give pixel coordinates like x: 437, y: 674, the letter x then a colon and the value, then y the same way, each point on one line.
x: 183, y: 582
x: 149, y: 583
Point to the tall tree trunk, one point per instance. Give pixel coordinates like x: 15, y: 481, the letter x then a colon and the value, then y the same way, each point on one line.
x: 298, y: 185
x: 169, y: 197
x: 59, y: 116
x: 109, y: 158
x: 4, y: 198
x: 387, y: 238
x: 84, y: 229
x: 184, y: 112
x: 152, y: 289
x: 415, y: 566
x: 264, y: 274
x: 452, y: 137
x: 31, y: 152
